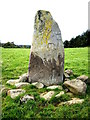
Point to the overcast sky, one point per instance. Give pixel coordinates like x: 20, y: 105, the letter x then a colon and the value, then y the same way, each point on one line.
x: 17, y: 18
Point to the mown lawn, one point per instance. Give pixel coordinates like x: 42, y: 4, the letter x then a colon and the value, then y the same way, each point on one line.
x: 15, y: 63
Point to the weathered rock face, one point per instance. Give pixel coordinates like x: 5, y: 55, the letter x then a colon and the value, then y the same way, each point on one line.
x: 69, y: 72
x: 38, y: 85
x: 26, y: 98
x: 60, y: 94
x: 47, y: 52
x: 76, y: 86
x: 13, y: 82
x: 73, y: 101
x: 24, y: 77
x: 15, y: 92
x: 84, y: 78
x: 21, y: 84
x: 54, y: 87
x: 47, y: 95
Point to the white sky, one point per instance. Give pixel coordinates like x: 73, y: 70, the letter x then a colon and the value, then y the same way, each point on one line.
x: 17, y: 18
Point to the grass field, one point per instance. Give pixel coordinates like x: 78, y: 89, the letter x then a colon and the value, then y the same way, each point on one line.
x: 15, y: 63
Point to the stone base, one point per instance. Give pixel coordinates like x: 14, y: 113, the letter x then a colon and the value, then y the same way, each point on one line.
x: 47, y: 72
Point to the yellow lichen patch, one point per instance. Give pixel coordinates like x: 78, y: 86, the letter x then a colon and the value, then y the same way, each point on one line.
x: 47, y: 33
x: 43, y: 24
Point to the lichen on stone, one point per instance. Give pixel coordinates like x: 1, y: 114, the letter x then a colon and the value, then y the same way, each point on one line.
x: 47, y: 52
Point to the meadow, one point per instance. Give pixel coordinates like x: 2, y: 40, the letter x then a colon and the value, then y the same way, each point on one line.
x: 15, y: 63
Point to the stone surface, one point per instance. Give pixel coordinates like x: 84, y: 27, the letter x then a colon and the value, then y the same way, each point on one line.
x: 13, y: 82
x: 61, y: 93
x: 66, y: 79
x: 73, y: 101
x: 66, y: 75
x: 47, y: 52
x: 84, y: 78
x: 66, y: 90
x: 55, y: 86
x: 69, y: 72
x: 21, y: 84
x: 76, y: 86
x: 26, y: 98
x: 47, y: 95
x: 15, y: 92
x: 24, y: 77
x: 38, y: 85
x: 3, y: 89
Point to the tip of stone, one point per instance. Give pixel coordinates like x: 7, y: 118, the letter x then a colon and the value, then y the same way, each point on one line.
x: 43, y: 11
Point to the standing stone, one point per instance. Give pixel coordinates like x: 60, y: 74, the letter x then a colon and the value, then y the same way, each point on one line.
x: 47, y: 52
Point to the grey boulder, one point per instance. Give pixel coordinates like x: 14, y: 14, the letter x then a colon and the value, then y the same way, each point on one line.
x: 15, y: 92
x: 73, y: 101
x: 55, y: 86
x: 69, y: 72
x: 13, y: 82
x: 26, y: 98
x: 38, y: 85
x: 84, y: 78
x: 60, y: 94
x: 76, y: 86
x: 47, y: 95
x: 21, y: 84
x: 24, y: 77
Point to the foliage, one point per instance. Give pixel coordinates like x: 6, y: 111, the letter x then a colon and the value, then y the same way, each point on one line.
x: 15, y: 63
x: 78, y: 41
x: 12, y: 45
x: 9, y: 45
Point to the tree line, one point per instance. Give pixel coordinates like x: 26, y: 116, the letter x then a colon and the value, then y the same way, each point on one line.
x: 78, y: 41
x: 12, y: 45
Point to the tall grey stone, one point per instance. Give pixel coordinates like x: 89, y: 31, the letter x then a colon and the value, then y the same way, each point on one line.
x: 46, y: 63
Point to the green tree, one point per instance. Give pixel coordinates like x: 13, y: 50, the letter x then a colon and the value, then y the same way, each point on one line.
x: 66, y: 44
x: 78, y: 41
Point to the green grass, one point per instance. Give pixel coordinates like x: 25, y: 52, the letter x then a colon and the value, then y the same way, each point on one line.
x: 77, y: 60
x: 15, y: 63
